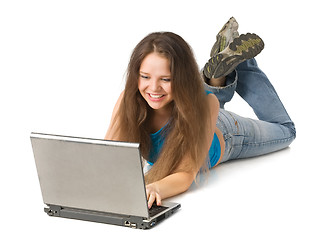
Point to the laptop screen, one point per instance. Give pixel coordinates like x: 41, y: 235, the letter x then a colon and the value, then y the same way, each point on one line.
x: 89, y: 174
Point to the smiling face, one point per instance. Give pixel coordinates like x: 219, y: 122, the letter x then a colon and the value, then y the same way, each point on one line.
x: 154, y: 82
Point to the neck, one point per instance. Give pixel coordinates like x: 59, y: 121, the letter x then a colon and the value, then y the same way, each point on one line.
x: 159, y: 118
x: 165, y: 112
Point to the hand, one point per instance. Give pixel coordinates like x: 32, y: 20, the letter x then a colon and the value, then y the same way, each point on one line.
x: 153, y: 195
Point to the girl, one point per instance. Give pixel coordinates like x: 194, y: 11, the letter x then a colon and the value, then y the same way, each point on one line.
x: 177, y: 115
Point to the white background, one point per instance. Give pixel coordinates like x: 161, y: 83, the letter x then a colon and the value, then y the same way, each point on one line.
x: 62, y: 67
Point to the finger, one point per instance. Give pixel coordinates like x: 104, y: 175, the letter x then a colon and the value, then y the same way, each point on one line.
x: 147, y: 194
x: 151, y: 200
x: 148, y: 191
x: 158, y: 199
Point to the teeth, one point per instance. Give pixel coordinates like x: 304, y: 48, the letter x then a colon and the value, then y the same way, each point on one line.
x: 155, y: 96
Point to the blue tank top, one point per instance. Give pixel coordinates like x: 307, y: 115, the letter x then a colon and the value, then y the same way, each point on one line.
x: 158, y: 139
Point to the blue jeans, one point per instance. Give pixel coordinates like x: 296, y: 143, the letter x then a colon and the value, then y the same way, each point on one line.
x: 245, y: 137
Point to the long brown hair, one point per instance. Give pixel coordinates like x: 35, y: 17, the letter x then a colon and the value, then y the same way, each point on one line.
x: 187, y: 128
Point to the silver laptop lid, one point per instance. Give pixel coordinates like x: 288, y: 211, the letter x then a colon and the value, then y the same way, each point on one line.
x: 90, y: 174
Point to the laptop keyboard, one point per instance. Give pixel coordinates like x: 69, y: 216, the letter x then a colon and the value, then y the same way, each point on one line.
x: 155, y: 210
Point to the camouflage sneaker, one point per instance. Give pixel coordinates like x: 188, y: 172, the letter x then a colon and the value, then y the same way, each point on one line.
x: 244, y: 47
x: 225, y: 36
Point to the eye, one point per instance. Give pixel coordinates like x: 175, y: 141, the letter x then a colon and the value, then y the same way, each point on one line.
x: 144, y: 76
x: 166, y: 79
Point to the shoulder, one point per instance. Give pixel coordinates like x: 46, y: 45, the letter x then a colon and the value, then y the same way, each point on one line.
x: 213, y: 102
x: 214, y: 108
x: 118, y: 103
x: 110, y: 132
x: 120, y: 97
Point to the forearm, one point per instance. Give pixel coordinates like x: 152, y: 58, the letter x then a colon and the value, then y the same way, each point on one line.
x: 173, y: 184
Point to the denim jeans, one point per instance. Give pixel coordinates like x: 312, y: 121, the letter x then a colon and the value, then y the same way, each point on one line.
x: 245, y: 137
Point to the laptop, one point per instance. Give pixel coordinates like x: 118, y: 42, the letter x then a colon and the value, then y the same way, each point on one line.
x: 95, y: 180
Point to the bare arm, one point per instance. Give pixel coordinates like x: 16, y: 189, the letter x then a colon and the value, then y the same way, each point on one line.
x: 169, y: 186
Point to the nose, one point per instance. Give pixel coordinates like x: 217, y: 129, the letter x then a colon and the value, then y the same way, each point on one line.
x: 155, y: 85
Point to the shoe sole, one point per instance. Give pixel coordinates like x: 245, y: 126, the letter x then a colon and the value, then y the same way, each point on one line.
x: 246, y: 46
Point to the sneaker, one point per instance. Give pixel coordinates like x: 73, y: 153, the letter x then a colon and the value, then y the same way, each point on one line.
x: 244, y: 47
x: 225, y: 36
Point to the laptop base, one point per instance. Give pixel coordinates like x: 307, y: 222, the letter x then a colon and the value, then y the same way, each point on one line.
x: 101, y: 217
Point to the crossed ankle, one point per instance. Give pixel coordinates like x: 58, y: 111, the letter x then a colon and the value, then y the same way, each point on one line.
x: 217, y: 82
